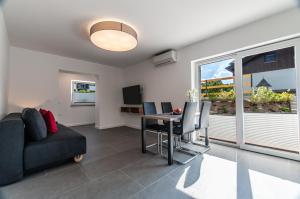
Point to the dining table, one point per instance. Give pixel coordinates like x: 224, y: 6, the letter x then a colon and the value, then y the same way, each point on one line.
x: 170, y: 118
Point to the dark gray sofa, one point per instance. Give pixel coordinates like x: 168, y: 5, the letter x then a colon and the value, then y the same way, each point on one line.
x: 19, y: 155
x: 11, y: 149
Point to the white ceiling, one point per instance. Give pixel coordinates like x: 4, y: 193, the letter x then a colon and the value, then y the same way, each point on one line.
x: 62, y: 26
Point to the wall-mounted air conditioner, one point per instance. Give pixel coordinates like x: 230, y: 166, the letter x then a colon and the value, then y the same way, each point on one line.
x: 165, y: 58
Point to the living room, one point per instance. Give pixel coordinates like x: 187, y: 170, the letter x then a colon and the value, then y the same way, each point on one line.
x: 187, y: 54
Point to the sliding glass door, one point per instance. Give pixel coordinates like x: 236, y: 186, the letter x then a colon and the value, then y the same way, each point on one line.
x: 270, y: 110
x: 218, y: 86
x: 255, y: 99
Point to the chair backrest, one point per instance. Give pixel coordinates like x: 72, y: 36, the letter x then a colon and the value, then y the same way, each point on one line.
x: 204, y: 114
x: 188, y: 117
x: 149, y: 108
x: 166, y: 107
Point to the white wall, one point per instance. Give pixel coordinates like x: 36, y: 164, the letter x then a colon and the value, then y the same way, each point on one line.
x: 170, y: 83
x: 4, y: 46
x: 33, y: 82
x: 73, y: 115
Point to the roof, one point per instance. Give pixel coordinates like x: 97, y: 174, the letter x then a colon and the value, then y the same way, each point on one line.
x: 264, y: 83
x: 255, y: 63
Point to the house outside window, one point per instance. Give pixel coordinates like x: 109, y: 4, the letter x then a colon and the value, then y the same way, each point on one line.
x: 83, y: 93
x: 270, y: 57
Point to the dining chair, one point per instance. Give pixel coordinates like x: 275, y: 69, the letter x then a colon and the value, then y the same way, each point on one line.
x: 203, y: 122
x: 187, y: 125
x: 152, y: 126
x: 166, y: 107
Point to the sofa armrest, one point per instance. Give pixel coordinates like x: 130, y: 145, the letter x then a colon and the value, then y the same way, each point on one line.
x: 11, y: 150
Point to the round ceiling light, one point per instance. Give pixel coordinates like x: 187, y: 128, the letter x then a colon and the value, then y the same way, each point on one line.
x: 113, y: 36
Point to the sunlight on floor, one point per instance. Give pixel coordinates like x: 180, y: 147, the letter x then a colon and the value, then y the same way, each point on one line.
x: 267, y: 186
x: 216, y: 178
x: 215, y: 173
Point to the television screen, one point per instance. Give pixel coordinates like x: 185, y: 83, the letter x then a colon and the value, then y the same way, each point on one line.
x: 132, y: 95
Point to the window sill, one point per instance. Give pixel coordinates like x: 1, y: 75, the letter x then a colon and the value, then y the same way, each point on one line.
x: 82, y: 104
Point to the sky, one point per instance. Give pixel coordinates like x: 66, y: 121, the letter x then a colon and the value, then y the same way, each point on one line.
x: 216, y: 70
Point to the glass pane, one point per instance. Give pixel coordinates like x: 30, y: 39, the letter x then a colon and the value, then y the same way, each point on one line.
x: 270, y: 107
x: 217, y: 85
x: 83, y: 92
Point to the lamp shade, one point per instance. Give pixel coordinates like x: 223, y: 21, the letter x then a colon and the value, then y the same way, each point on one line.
x: 113, y: 36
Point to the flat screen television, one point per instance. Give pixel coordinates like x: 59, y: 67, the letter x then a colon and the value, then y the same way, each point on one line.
x: 132, y: 95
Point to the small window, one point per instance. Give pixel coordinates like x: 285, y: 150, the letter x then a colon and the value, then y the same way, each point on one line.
x: 83, y: 93
x: 270, y: 57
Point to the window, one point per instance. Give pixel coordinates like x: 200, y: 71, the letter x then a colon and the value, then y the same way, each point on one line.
x: 258, y: 109
x: 270, y: 57
x: 83, y: 92
x: 218, y: 86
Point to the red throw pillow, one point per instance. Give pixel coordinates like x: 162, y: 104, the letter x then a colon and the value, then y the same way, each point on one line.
x: 49, y: 120
x: 43, y: 112
x: 51, y: 123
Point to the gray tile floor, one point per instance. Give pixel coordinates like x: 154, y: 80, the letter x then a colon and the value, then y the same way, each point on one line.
x: 114, y: 167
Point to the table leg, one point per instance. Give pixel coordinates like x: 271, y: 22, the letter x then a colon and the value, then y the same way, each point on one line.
x: 143, y: 135
x: 206, y: 137
x: 170, y: 144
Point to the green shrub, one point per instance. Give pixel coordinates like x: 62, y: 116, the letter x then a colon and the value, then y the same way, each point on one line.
x: 265, y: 95
x: 224, y: 109
x: 285, y: 109
x: 223, y: 95
x: 212, y: 97
x: 258, y: 96
x: 226, y: 95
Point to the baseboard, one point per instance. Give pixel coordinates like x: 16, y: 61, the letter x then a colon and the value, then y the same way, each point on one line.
x: 78, y: 124
x: 97, y: 127
x: 116, y: 125
x: 133, y: 126
x: 109, y: 126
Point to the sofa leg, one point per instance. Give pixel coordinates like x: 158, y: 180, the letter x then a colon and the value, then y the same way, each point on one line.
x: 78, y: 158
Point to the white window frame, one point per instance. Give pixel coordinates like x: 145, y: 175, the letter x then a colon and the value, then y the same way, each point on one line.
x: 81, y: 103
x: 238, y: 55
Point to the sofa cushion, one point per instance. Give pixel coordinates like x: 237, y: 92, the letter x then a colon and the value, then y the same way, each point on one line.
x: 50, y: 121
x: 35, y: 126
x: 66, y: 144
x: 13, y: 116
x: 43, y: 112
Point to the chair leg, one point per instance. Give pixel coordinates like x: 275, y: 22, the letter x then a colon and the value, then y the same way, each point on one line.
x: 191, y: 137
x: 161, y: 144
x: 158, y: 142
x: 206, y: 137
x: 179, y: 141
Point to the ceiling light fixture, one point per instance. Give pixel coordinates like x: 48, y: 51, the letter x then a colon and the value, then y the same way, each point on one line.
x: 113, y: 36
